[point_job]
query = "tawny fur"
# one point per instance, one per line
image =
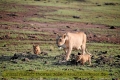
(36, 49)
(70, 41)
(83, 58)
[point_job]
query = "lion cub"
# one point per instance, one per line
(83, 58)
(36, 49)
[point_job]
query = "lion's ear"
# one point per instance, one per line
(65, 35)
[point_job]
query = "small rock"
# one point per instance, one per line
(98, 5)
(68, 26)
(4, 45)
(44, 53)
(45, 62)
(26, 59)
(30, 70)
(112, 27)
(0, 16)
(12, 14)
(110, 3)
(104, 52)
(95, 35)
(15, 57)
(118, 56)
(77, 17)
(115, 79)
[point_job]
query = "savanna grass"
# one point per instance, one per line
(87, 11)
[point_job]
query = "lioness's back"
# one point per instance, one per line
(78, 37)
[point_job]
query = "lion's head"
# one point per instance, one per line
(61, 40)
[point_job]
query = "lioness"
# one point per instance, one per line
(36, 49)
(69, 41)
(84, 58)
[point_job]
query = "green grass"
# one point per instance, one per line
(99, 31)
(9, 23)
(113, 49)
(40, 19)
(88, 11)
(38, 63)
(60, 11)
(6, 7)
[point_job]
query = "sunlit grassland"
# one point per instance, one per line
(88, 11)
(26, 46)
(38, 64)
(6, 7)
(64, 11)
(10, 23)
(105, 32)
(113, 49)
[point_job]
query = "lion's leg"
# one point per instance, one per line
(68, 54)
(84, 44)
(83, 49)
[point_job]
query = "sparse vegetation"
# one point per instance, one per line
(27, 22)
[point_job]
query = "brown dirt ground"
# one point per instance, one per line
(53, 27)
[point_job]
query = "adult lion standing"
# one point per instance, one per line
(69, 41)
